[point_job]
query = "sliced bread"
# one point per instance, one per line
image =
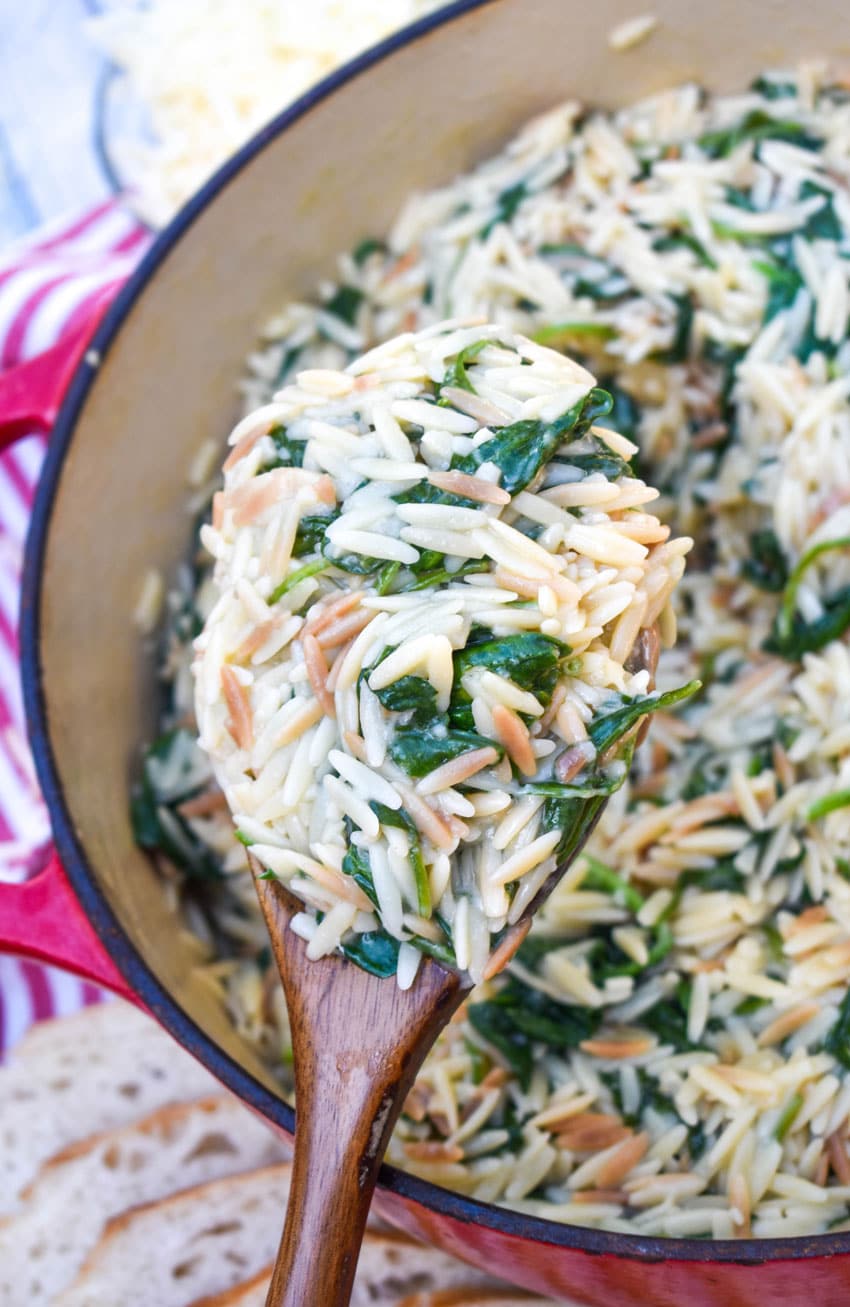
(99, 1069)
(391, 1268)
(44, 1244)
(198, 1242)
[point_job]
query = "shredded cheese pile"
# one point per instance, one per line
(210, 73)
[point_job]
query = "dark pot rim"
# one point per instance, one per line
(155, 997)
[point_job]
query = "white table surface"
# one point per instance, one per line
(48, 78)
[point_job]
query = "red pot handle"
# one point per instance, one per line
(42, 917)
(31, 394)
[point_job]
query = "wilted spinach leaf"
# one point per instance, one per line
(521, 449)
(419, 752)
(310, 536)
(791, 635)
(507, 204)
(374, 951)
(403, 821)
(344, 303)
(824, 224)
(783, 283)
(367, 247)
(837, 1041)
(611, 724)
(520, 1018)
(356, 865)
(600, 459)
(757, 125)
(410, 694)
(456, 374)
(157, 823)
(801, 637)
(679, 347)
(773, 89)
(294, 578)
(529, 659)
(766, 566)
(288, 452)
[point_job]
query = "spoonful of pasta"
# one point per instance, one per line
(440, 587)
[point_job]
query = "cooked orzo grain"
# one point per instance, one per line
(669, 1052)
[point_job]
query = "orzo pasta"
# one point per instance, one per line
(415, 683)
(669, 1051)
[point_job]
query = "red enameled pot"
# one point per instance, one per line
(157, 377)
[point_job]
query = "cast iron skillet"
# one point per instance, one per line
(156, 378)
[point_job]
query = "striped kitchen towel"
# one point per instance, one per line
(49, 284)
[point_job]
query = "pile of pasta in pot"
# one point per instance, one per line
(668, 1053)
(415, 683)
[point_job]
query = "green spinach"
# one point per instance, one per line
(600, 458)
(386, 578)
(374, 951)
(766, 566)
(442, 576)
(560, 335)
(837, 1041)
(773, 89)
(829, 803)
(356, 564)
(420, 751)
(520, 1019)
(411, 694)
(154, 807)
(791, 635)
(574, 816)
(787, 1116)
(587, 275)
(366, 249)
(294, 578)
(403, 821)
(611, 724)
(784, 284)
(356, 864)
(521, 449)
(685, 240)
(758, 125)
(605, 879)
(456, 374)
(345, 303)
(529, 659)
(288, 452)
(507, 204)
(310, 536)
(824, 224)
(668, 1019)
(679, 347)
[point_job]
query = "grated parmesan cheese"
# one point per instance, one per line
(209, 73)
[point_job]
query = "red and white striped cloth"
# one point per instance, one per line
(48, 286)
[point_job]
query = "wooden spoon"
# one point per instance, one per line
(358, 1042)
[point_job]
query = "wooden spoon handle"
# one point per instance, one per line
(358, 1043)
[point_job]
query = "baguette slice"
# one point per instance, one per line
(98, 1069)
(200, 1241)
(207, 1240)
(43, 1246)
(392, 1267)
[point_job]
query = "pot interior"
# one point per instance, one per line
(113, 504)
